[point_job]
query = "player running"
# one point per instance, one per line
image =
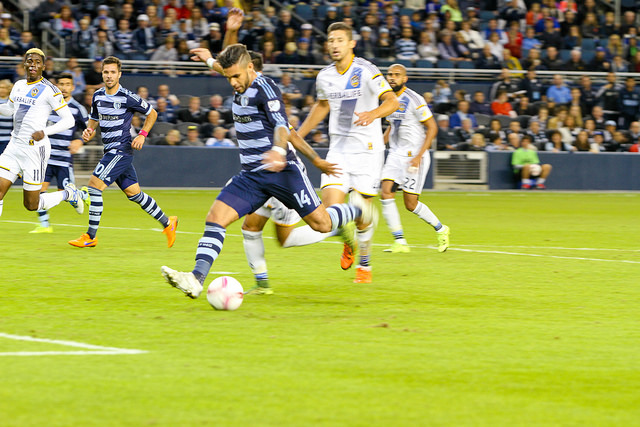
(269, 169)
(30, 103)
(350, 90)
(408, 160)
(112, 108)
(63, 145)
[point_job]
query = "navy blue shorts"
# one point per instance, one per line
(62, 174)
(116, 167)
(248, 191)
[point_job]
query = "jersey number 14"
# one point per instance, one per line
(302, 198)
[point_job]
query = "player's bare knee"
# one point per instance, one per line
(411, 204)
(31, 206)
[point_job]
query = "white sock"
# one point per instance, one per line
(49, 200)
(254, 250)
(426, 215)
(540, 181)
(305, 235)
(1, 203)
(392, 218)
(364, 244)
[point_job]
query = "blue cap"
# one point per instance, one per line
(303, 40)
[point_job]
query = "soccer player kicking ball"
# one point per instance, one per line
(269, 169)
(112, 108)
(63, 145)
(350, 91)
(30, 103)
(408, 160)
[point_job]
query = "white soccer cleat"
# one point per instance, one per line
(185, 281)
(369, 211)
(76, 199)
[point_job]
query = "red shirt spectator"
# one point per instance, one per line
(501, 106)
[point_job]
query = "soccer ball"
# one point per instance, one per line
(225, 293)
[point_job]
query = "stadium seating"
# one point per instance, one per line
(424, 63)
(588, 44)
(304, 11)
(406, 62)
(524, 120)
(466, 65)
(162, 128)
(565, 54)
(184, 126)
(445, 63)
(482, 119)
(504, 120)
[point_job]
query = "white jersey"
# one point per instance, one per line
(407, 132)
(32, 104)
(356, 90)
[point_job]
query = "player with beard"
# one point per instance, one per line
(408, 160)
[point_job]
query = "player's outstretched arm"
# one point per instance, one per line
(318, 112)
(204, 55)
(235, 17)
(308, 151)
(149, 121)
(90, 131)
(389, 104)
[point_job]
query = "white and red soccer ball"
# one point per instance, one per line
(225, 293)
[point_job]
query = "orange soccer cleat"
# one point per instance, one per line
(347, 257)
(84, 241)
(363, 275)
(170, 230)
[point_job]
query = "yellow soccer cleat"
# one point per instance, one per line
(40, 229)
(84, 241)
(170, 230)
(443, 238)
(398, 248)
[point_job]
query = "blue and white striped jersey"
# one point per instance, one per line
(6, 125)
(257, 113)
(114, 112)
(60, 142)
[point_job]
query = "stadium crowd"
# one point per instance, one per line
(516, 36)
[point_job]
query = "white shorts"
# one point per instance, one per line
(27, 161)
(396, 169)
(278, 212)
(360, 171)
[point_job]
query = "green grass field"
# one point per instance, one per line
(531, 318)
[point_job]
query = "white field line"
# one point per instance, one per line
(460, 248)
(94, 349)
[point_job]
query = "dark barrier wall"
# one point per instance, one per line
(161, 166)
(574, 171)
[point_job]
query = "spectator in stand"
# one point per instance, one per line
(290, 92)
(7, 23)
(497, 144)
(527, 167)
(73, 68)
(487, 60)
(553, 62)
(598, 118)
(551, 35)
(629, 103)
(495, 130)
(103, 14)
(82, 39)
(506, 84)
(268, 52)
(216, 103)
(442, 93)
(464, 133)
(143, 93)
(575, 62)
(93, 77)
(515, 40)
(289, 36)
(449, 49)
(214, 38)
(474, 40)
(523, 107)
(492, 27)
(533, 61)
(102, 47)
(501, 106)
(559, 92)
(461, 114)
(608, 96)
(219, 139)
(619, 65)
(427, 49)
(546, 16)
(556, 145)
(512, 12)
(609, 26)
(496, 46)
(46, 12)
(570, 20)
(509, 61)
(569, 130)
(143, 39)
(26, 41)
(406, 47)
(529, 40)
(573, 40)
(479, 105)
(588, 93)
(331, 17)
(166, 52)
(533, 15)
(542, 117)
(582, 142)
(124, 39)
(193, 113)
(172, 138)
(165, 114)
(634, 130)
(365, 47)
(193, 137)
(289, 56)
(453, 8)
(384, 46)
(65, 24)
(557, 121)
(590, 28)
(7, 45)
(213, 121)
(609, 130)
(447, 138)
(513, 140)
(514, 127)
